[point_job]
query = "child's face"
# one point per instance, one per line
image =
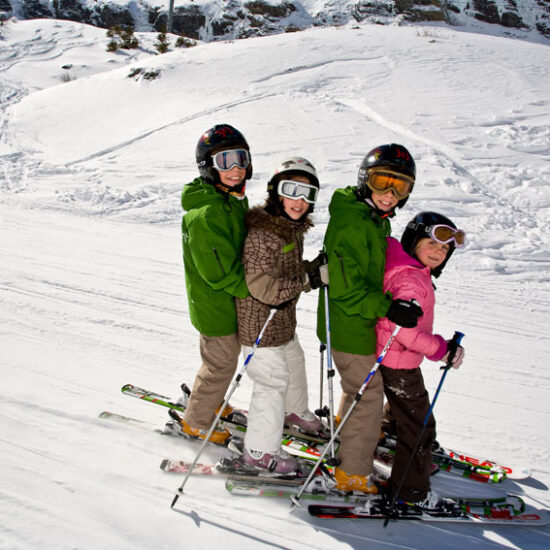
(296, 208)
(232, 177)
(385, 202)
(431, 253)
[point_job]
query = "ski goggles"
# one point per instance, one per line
(225, 160)
(297, 190)
(381, 181)
(444, 234)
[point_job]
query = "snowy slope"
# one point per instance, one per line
(92, 290)
(525, 19)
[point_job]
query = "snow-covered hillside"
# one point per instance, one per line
(231, 19)
(92, 288)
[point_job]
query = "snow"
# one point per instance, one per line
(92, 288)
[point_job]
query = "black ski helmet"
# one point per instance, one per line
(286, 169)
(218, 138)
(393, 156)
(418, 228)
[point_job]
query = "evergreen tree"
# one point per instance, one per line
(163, 42)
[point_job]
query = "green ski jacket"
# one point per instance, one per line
(213, 233)
(355, 243)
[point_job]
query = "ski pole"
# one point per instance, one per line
(330, 374)
(295, 498)
(323, 410)
(457, 337)
(234, 386)
(322, 348)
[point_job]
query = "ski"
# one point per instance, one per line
(509, 510)
(478, 469)
(231, 468)
(291, 444)
(129, 421)
(382, 460)
(236, 428)
(248, 481)
(317, 490)
(171, 428)
(475, 473)
(236, 423)
(478, 465)
(320, 489)
(182, 467)
(242, 479)
(452, 461)
(506, 510)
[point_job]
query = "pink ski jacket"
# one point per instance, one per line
(407, 278)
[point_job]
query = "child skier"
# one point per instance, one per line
(426, 245)
(276, 275)
(213, 234)
(355, 242)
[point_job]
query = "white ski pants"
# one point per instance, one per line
(280, 386)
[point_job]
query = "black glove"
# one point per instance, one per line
(316, 272)
(404, 313)
(454, 355)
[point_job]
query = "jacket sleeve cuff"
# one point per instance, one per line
(441, 351)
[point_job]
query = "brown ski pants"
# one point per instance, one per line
(220, 355)
(359, 435)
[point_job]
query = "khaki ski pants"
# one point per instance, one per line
(361, 432)
(220, 356)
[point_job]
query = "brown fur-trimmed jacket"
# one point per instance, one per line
(272, 259)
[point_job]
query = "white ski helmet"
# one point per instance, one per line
(288, 168)
(296, 165)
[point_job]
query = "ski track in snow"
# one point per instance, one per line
(201, 114)
(92, 293)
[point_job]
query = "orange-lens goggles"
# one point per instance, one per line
(444, 234)
(382, 181)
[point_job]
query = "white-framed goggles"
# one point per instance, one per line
(295, 190)
(381, 180)
(225, 160)
(444, 234)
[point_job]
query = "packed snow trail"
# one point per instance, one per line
(92, 290)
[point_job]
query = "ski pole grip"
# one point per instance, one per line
(453, 344)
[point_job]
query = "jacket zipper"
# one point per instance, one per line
(218, 260)
(342, 268)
